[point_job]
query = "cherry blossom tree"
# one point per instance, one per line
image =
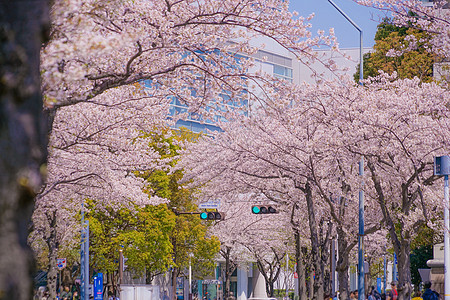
(248, 238)
(94, 151)
(57, 230)
(96, 147)
(172, 44)
(398, 126)
(309, 147)
(398, 137)
(254, 159)
(183, 49)
(231, 233)
(269, 264)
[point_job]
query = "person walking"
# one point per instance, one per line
(417, 296)
(429, 294)
(393, 294)
(373, 294)
(66, 294)
(231, 296)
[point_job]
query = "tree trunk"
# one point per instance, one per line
(310, 272)
(315, 250)
(404, 272)
(343, 281)
(342, 264)
(227, 285)
(52, 275)
(400, 240)
(52, 244)
(301, 277)
(230, 266)
(270, 295)
(109, 285)
(22, 138)
(311, 283)
(174, 283)
(227, 273)
(113, 286)
(325, 253)
(270, 276)
(149, 276)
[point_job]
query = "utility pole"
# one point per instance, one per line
(361, 293)
(442, 167)
(84, 257)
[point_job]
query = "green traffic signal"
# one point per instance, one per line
(212, 215)
(260, 209)
(256, 210)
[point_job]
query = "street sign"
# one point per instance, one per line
(211, 281)
(215, 204)
(61, 263)
(98, 286)
(442, 165)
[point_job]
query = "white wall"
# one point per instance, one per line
(347, 61)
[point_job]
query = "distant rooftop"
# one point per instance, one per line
(430, 3)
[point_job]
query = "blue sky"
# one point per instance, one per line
(326, 16)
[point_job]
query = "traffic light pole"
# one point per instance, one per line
(216, 215)
(187, 213)
(446, 242)
(84, 259)
(361, 292)
(442, 168)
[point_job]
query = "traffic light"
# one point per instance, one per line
(212, 215)
(263, 209)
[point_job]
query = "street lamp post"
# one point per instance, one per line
(84, 259)
(384, 274)
(361, 293)
(442, 167)
(190, 276)
(360, 40)
(361, 273)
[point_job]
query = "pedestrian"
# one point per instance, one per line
(393, 294)
(370, 294)
(376, 294)
(417, 296)
(165, 296)
(373, 294)
(46, 295)
(429, 294)
(75, 296)
(66, 294)
(231, 296)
